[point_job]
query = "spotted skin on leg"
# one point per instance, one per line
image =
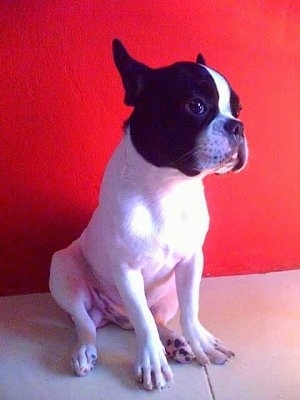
(177, 348)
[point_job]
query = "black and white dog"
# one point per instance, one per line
(140, 255)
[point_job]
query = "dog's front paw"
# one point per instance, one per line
(84, 359)
(208, 348)
(151, 366)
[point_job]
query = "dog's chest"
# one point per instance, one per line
(171, 225)
(148, 216)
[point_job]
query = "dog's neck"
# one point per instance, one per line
(134, 181)
(149, 175)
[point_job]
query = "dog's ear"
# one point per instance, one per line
(200, 59)
(133, 73)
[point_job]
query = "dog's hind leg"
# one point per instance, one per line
(69, 287)
(176, 346)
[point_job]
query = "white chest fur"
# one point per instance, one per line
(147, 213)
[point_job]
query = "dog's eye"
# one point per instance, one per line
(196, 106)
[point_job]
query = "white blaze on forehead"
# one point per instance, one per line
(223, 90)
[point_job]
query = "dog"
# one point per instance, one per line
(140, 256)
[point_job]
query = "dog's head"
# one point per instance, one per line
(186, 115)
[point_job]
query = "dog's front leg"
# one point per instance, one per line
(205, 346)
(151, 366)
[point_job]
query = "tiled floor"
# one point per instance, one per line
(257, 315)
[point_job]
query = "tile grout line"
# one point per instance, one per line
(209, 384)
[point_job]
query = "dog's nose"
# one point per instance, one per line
(234, 127)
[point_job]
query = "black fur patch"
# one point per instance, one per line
(162, 128)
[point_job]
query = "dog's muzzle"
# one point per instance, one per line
(235, 128)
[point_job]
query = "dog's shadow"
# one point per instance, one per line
(36, 331)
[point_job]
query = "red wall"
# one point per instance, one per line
(61, 115)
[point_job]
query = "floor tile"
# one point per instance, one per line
(259, 317)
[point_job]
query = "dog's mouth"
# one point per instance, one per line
(230, 164)
(236, 161)
(199, 160)
(242, 156)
